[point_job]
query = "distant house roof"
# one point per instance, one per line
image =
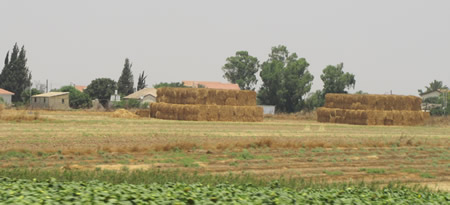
(438, 91)
(50, 94)
(5, 92)
(209, 84)
(142, 93)
(80, 87)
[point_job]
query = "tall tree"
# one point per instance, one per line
(286, 80)
(125, 83)
(335, 80)
(241, 69)
(15, 75)
(101, 89)
(435, 85)
(141, 81)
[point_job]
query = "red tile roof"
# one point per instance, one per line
(215, 85)
(80, 87)
(5, 92)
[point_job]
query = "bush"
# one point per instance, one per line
(127, 104)
(77, 99)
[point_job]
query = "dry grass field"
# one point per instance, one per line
(287, 145)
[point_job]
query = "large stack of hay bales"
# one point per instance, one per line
(372, 110)
(202, 104)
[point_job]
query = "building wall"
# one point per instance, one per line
(268, 109)
(148, 99)
(51, 103)
(60, 102)
(6, 98)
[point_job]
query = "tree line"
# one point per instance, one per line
(286, 81)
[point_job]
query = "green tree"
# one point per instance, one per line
(314, 100)
(335, 80)
(26, 94)
(101, 89)
(173, 85)
(286, 80)
(77, 99)
(241, 69)
(434, 86)
(15, 75)
(125, 83)
(141, 81)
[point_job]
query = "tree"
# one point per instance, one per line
(314, 100)
(434, 86)
(286, 80)
(172, 85)
(77, 99)
(101, 89)
(141, 81)
(125, 83)
(241, 69)
(15, 75)
(26, 95)
(335, 80)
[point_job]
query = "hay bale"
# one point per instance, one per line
(143, 113)
(206, 96)
(122, 113)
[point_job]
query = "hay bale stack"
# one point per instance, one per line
(206, 96)
(202, 104)
(372, 110)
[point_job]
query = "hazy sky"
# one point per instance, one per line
(389, 45)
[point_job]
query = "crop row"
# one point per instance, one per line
(22, 191)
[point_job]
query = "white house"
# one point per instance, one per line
(6, 95)
(146, 95)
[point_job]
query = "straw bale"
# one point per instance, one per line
(205, 96)
(206, 112)
(143, 113)
(372, 102)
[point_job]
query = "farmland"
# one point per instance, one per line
(293, 149)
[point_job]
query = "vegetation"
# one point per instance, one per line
(241, 69)
(126, 82)
(434, 86)
(286, 80)
(77, 99)
(52, 191)
(15, 75)
(101, 89)
(141, 81)
(172, 84)
(26, 95)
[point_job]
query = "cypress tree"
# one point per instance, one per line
(15, 75)
(141, 81)
(125, 83)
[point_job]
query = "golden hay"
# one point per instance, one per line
(371, 117)
(143, 112)
(372, 102)
(206, 112)
(206, 96)
(122, 113)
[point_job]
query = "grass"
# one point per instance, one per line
(90, 139)
(373, 170)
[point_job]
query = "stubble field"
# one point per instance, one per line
(289, 148)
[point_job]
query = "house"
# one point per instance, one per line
(209, 84)
(146, 95)
(6, 95)
(51, 101)
(80, 87)
(432, 94)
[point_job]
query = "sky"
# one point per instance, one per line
(399, 46)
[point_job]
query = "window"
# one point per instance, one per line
(34, 99)
(62, 100)
(44, 100)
